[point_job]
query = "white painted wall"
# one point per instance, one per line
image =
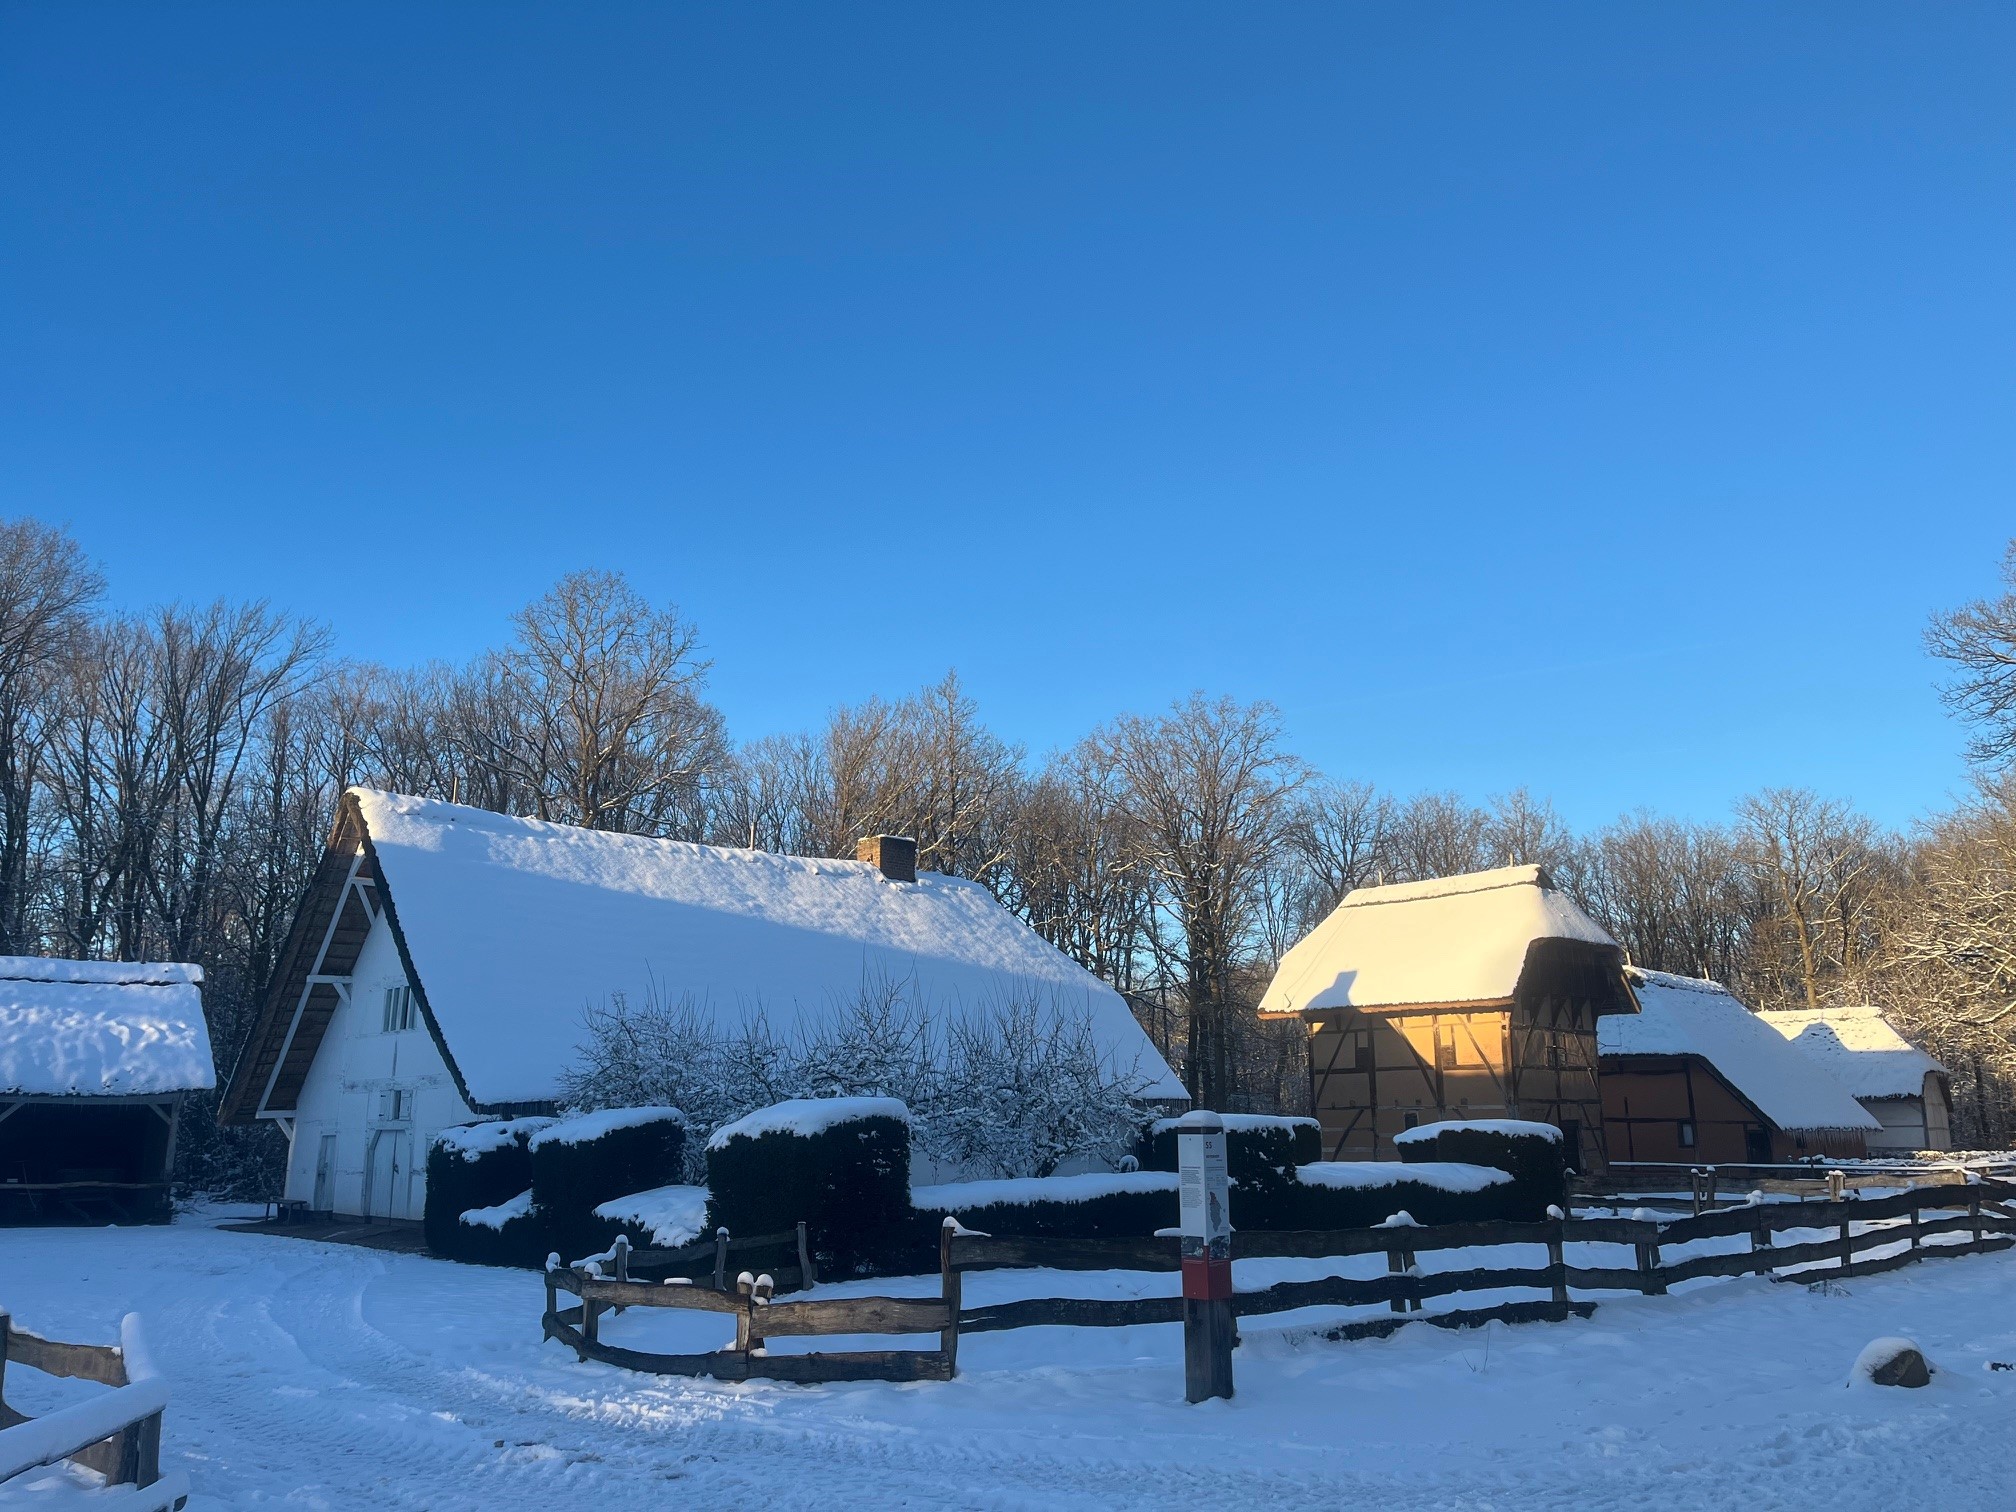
(343, 1095)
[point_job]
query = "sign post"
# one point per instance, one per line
(1207, 1256)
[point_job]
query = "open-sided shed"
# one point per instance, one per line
(1468, 997)
(95, 1060)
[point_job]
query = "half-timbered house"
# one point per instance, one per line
(439, 969)
(1697, 1077)
(1468, 997)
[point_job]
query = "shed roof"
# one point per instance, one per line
(1689, 1016)
(513, 927)
(1456, 940)
(1858, 1047)
(101, 1028)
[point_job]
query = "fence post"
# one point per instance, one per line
(621, 1256)
(721, 1259)
(6, 1324)
(745, 1285)
(1974, 1213)
(1694, 1190)
(591, 1322)
(1760, 1240)
(950, 1289)
(147, 1467)
(1847, 1245)
(1917, 1201)
(1206, 1220)
(552, 1305)
(1557, 1263)
(1649, 1280)
(807, 1277)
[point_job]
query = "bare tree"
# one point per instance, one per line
(1812, 859)
(1978, 642)
(1206, 788)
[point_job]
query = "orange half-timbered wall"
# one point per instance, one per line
(1373, 1075)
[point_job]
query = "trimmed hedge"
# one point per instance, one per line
(1098, 1206)
(579, 1163)
(841, 1166)
(1536, 1161)
(522, 1241)
(473, 1166)
(1373, 1191)
(1261, 1156)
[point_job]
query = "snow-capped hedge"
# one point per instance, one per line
(1533, 1154)
(581, 1162)
(504, 1233)
(474, 1167)
(1101, 1205)
(1350, 1194)
(1261, 1154)
(667, 1217)
(840, 1165)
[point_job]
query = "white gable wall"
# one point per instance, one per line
(344, 1095)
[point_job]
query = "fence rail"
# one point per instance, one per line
(1859, 1225)
(117, 1434)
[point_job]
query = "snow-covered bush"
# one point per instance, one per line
(1014, 1087)
(475, 1166)
(1532, 1154)
(1354, 1194)
(840, 1165)
(579, 1163)
(1098, 1205)
(1261, 1154)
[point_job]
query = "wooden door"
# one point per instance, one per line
(325, 1175)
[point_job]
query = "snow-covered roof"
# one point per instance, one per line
(1688, 1016)
(1858, 1047)
(102, 1028)
(1456, 940)
(515, 926)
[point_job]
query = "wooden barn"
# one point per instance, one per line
(440, 968)
(96, 1058)
(1899, 1085)
(1696, 1077)
(1469, 997)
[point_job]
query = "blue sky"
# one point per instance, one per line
(1595, 398)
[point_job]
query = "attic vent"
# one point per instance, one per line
(895, 856)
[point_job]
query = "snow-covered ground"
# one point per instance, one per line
(322, 1376)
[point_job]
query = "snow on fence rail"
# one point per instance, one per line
(1855, 1226)
(117, 1434)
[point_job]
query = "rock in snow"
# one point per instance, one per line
(1891, 1362)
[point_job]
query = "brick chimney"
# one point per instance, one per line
(895, 856)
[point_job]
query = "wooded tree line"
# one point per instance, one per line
(167, 779)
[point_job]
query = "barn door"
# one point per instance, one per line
(325, 1175)
(384, 1166)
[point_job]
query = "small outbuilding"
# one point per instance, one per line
(1901, 1087)
(1467, 997)
(96, 1058)
(1696, 1077)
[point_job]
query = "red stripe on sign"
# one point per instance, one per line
(1207, 1280)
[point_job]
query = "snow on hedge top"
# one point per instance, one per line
(674, 1216)
(1687, 1016)
(1858, 1048)
(1240, 1123)
(583, 1127)
(971, 1196)
(1454, 940)
(107, 1028)
(1368, 1175)
(1519, 1127)
(514, 926)
(808, 1115)
(474, 1141)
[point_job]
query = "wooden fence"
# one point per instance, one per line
(1857, 1225)
(117, 1434)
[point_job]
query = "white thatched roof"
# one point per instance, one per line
(1457, 940)
(515, 926)
(102, 1028)
(1688, 1016)
(1857, 1047)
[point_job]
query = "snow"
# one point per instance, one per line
(808, 1115)
(1520, 1127)
(1457, 940)
(970, 1196)
(103, 1028)
(674, 1216)
(584, 1128)
(312, 1376)
(514, 926)
(1239, 1123)
(1364, 1175)
(473, 1141)
(1858, 1048)
(496, 1217)
(1688, 1016)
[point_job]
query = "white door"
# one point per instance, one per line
(385, 1174)
(325, 1175)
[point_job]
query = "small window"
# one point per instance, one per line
(1410, 1119)
(1686, 1135)
(398, 1009)
(1361, 1050)
(1553, 1055)
(395, 1105)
